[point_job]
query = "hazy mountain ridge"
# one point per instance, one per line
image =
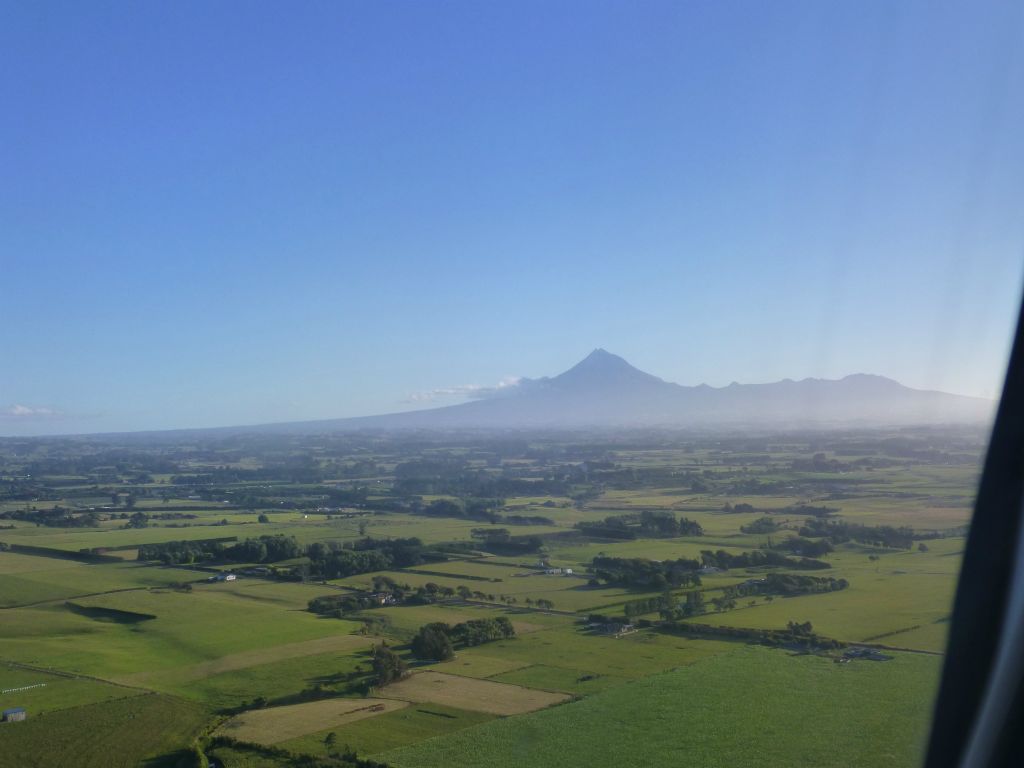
(603, 390)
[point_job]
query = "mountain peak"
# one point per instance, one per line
(601, 366)
(601, 356)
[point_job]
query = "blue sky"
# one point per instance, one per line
(227, 213)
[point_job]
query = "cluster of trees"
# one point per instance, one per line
(810, 510)
(470, 508)
(647, 524)
(332, 561)
(795, 634)
(840, 531)
(525, 519)
(798, 545)
(265, 549)
(57, 517)
(185, 552)
(635, 608)
(641, 573)
(502, 542)
(741, 508)
(758, 558)
(326, 561)
(786, 585)
(338, 605)
(387, 666)
(764, 524)
(437, 641)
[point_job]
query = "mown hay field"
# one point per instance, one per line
(471, 693)
(276, 724)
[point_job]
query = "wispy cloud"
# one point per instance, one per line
(22, 412)
(465, 391)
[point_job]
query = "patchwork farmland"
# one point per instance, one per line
(359, 599)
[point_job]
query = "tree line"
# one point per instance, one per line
(642, 573)
(646, 524)
(841, 531)
(758, 558)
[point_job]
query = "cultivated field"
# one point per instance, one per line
(270, 726)
(472, 693)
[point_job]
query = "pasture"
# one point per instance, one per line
(408, 725)
(114, 645)
(752, 706)
(121, 733)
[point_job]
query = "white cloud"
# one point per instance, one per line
(26, 412)
(465, 391)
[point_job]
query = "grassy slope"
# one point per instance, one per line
(755, 707)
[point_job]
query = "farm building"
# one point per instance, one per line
(14, 714)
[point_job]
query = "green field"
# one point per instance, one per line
(714, 714)
(98, 650)
(125, 733)
(392, 729)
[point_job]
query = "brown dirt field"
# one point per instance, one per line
(276, 724)
(472, 693)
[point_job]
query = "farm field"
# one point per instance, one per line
(42, 691)
(123, 733)
(427, 687)
(268, 615)
(373, 735)
(276, 724)
(866, 715)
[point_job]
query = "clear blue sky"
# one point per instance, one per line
(219, 213)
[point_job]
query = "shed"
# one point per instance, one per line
(14, 714)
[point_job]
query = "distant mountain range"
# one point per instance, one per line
(603, 390)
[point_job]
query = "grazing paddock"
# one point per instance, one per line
(122, 733)
(391, 730)
(40, 691)
(479, 665)
(276, 724)
(472, 693)
(750, 707)
(246, 659)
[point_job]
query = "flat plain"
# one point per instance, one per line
(248, 588)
